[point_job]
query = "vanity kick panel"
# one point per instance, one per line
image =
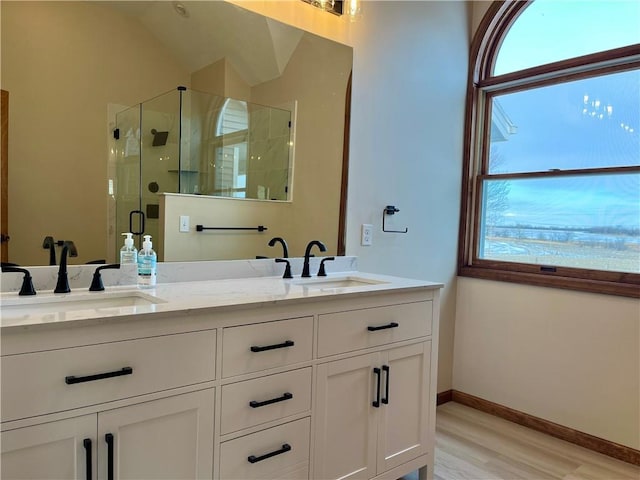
(35, 383)
(276, 344)
(371, 327)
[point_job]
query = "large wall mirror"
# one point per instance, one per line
(71, 67)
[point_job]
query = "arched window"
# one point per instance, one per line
(551, 187)
(231, 154)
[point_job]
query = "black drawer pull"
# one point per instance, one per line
(288, 343)
(385, 400)
(285, 448)
(108, 438)
(87, 450)
(285, 396)
(384, 327)
(376, 402)
(70, 380)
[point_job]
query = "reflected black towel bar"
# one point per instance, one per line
(260, 228)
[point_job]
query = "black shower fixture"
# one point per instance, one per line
(159, 138)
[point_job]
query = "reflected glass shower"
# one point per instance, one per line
(190, 142)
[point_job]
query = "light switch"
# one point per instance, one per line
(184, 223)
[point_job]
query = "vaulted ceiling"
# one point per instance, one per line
(258, 48)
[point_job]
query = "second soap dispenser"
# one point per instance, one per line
(147, 261)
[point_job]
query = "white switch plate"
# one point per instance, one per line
(366, 238)
(184, 223)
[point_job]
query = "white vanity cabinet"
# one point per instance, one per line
(169, 438)
(373, 410)
(321, 387)
(141, 424)
(63, 449)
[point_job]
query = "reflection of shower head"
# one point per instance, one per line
(159, 138)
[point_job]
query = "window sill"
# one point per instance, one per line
(552, 281)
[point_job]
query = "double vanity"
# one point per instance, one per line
(257, 377)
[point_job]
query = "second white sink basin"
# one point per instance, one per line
(21, 306)
(338, 282)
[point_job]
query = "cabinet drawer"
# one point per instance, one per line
(251, 348)
(261, 400)
(280, 452)
(371, 327)
(56, 380)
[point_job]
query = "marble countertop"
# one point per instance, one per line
(51, 309)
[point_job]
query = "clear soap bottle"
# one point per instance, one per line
(128, 253)
(147, 261)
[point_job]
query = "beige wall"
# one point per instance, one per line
(568, 357)
(220, 78)
(221, 212)
(52, 58)
(211, 79)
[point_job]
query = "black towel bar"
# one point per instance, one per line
(259, 228)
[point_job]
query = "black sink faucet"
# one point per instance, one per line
(285, 250)
(96, 283)
(63, 280)
(307, 254)
(27, 283)
(50, 244)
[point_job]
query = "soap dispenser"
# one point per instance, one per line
(128, 253)
(147, 261)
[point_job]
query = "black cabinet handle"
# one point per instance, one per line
(288, 343)
(109, 439)
(285, 396)
(87, 450)
(70, 380)
(383, 327)
(285, 448)
(376, 402)
(385, 400)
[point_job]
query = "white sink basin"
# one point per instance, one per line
(17, 307)
(338, 282)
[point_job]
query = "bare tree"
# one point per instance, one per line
(496, 195)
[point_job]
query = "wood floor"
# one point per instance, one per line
(472, 445)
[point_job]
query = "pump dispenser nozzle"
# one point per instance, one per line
(147, 245)
(128, 242)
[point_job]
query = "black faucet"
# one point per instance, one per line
(322, 272)
(287, 268)
(307, 254)
(96, 283)
(51, 245)
(285, 250)
(63, 280)
(27, 283)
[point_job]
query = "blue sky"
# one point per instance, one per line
(569, 125)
